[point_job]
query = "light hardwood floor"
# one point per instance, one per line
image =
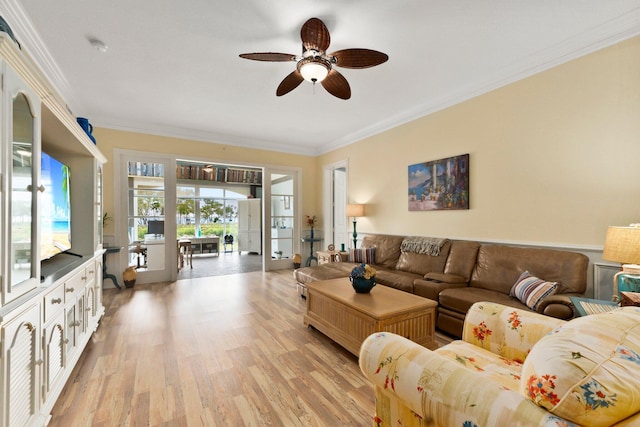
(219, 351)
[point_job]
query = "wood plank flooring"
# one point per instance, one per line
(219, 351)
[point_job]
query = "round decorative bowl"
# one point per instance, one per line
(362, 285)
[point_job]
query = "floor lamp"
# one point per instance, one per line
(622, 245)
(355, 210)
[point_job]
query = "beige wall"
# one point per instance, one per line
(108, 140)
(552, 158)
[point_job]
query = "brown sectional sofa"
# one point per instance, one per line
(463, 273)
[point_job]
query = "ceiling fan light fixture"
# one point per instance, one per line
(314, 69)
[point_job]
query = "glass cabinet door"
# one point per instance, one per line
(100, 218)
(22, 178)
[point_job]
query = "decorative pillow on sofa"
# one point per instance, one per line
(587, 371)
(363, 255)
(530, 290)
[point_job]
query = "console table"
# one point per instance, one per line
(311, 256)
(105, 275)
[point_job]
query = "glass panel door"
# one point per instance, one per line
(282, 205)
(24, 162)
(146, 216)
(22, 179)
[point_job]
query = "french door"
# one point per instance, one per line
(281, 234)
(145, 218)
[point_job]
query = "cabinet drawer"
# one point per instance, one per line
(91, 272)
(75, 285)
(53, 302)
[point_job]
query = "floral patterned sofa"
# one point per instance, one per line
(512, 367)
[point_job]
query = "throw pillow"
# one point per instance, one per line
(363, 255)
(587, 371)
(530, 290)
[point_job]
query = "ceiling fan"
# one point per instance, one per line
(315, 65)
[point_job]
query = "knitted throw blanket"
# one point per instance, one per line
(423, 245)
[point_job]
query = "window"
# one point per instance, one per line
(206, 211)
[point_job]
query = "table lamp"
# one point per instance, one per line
(622, 245)
(355, 210)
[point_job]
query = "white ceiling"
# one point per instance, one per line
(172, 67)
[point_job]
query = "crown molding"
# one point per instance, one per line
(35, 47)
(605, 35)
(208, 137)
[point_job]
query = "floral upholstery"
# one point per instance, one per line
(479, 381)
(588, 371)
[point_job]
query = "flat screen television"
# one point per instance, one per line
(55, 210)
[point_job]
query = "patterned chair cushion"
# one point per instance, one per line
(499, 369)
(506, 331)
(587, 370)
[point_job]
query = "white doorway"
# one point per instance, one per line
(335, 202)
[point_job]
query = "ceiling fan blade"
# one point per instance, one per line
(269, 56)
(314, 35)
(337, 85)
(289, 83)
(359, 58)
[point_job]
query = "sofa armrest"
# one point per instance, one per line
(437, 389)
(506, 331)
(558, 306)
(431, 288)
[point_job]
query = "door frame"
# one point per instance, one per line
(328, 202)
(121, 158)
(269, 263)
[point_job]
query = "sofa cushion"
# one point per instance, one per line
(331, 270)
(461, 299)
(362, 255)
(387, 248)
(462, 258)
(396, 279)
(531, 290)
(423, 263)
(588, 369)
(499, 266)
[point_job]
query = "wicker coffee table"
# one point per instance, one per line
(336, 310)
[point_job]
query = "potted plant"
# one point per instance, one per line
(363, 278)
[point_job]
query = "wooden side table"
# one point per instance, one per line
(325, 257)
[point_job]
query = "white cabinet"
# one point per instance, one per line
(48, 309)
(21, 367)
(250, 225)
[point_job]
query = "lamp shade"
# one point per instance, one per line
(355, 210)
(622, 245)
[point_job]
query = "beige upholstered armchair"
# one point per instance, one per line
(511, 368)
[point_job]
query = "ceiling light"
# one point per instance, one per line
(314, 69)
(98, 45)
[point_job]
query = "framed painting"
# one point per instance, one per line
(440, 184)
